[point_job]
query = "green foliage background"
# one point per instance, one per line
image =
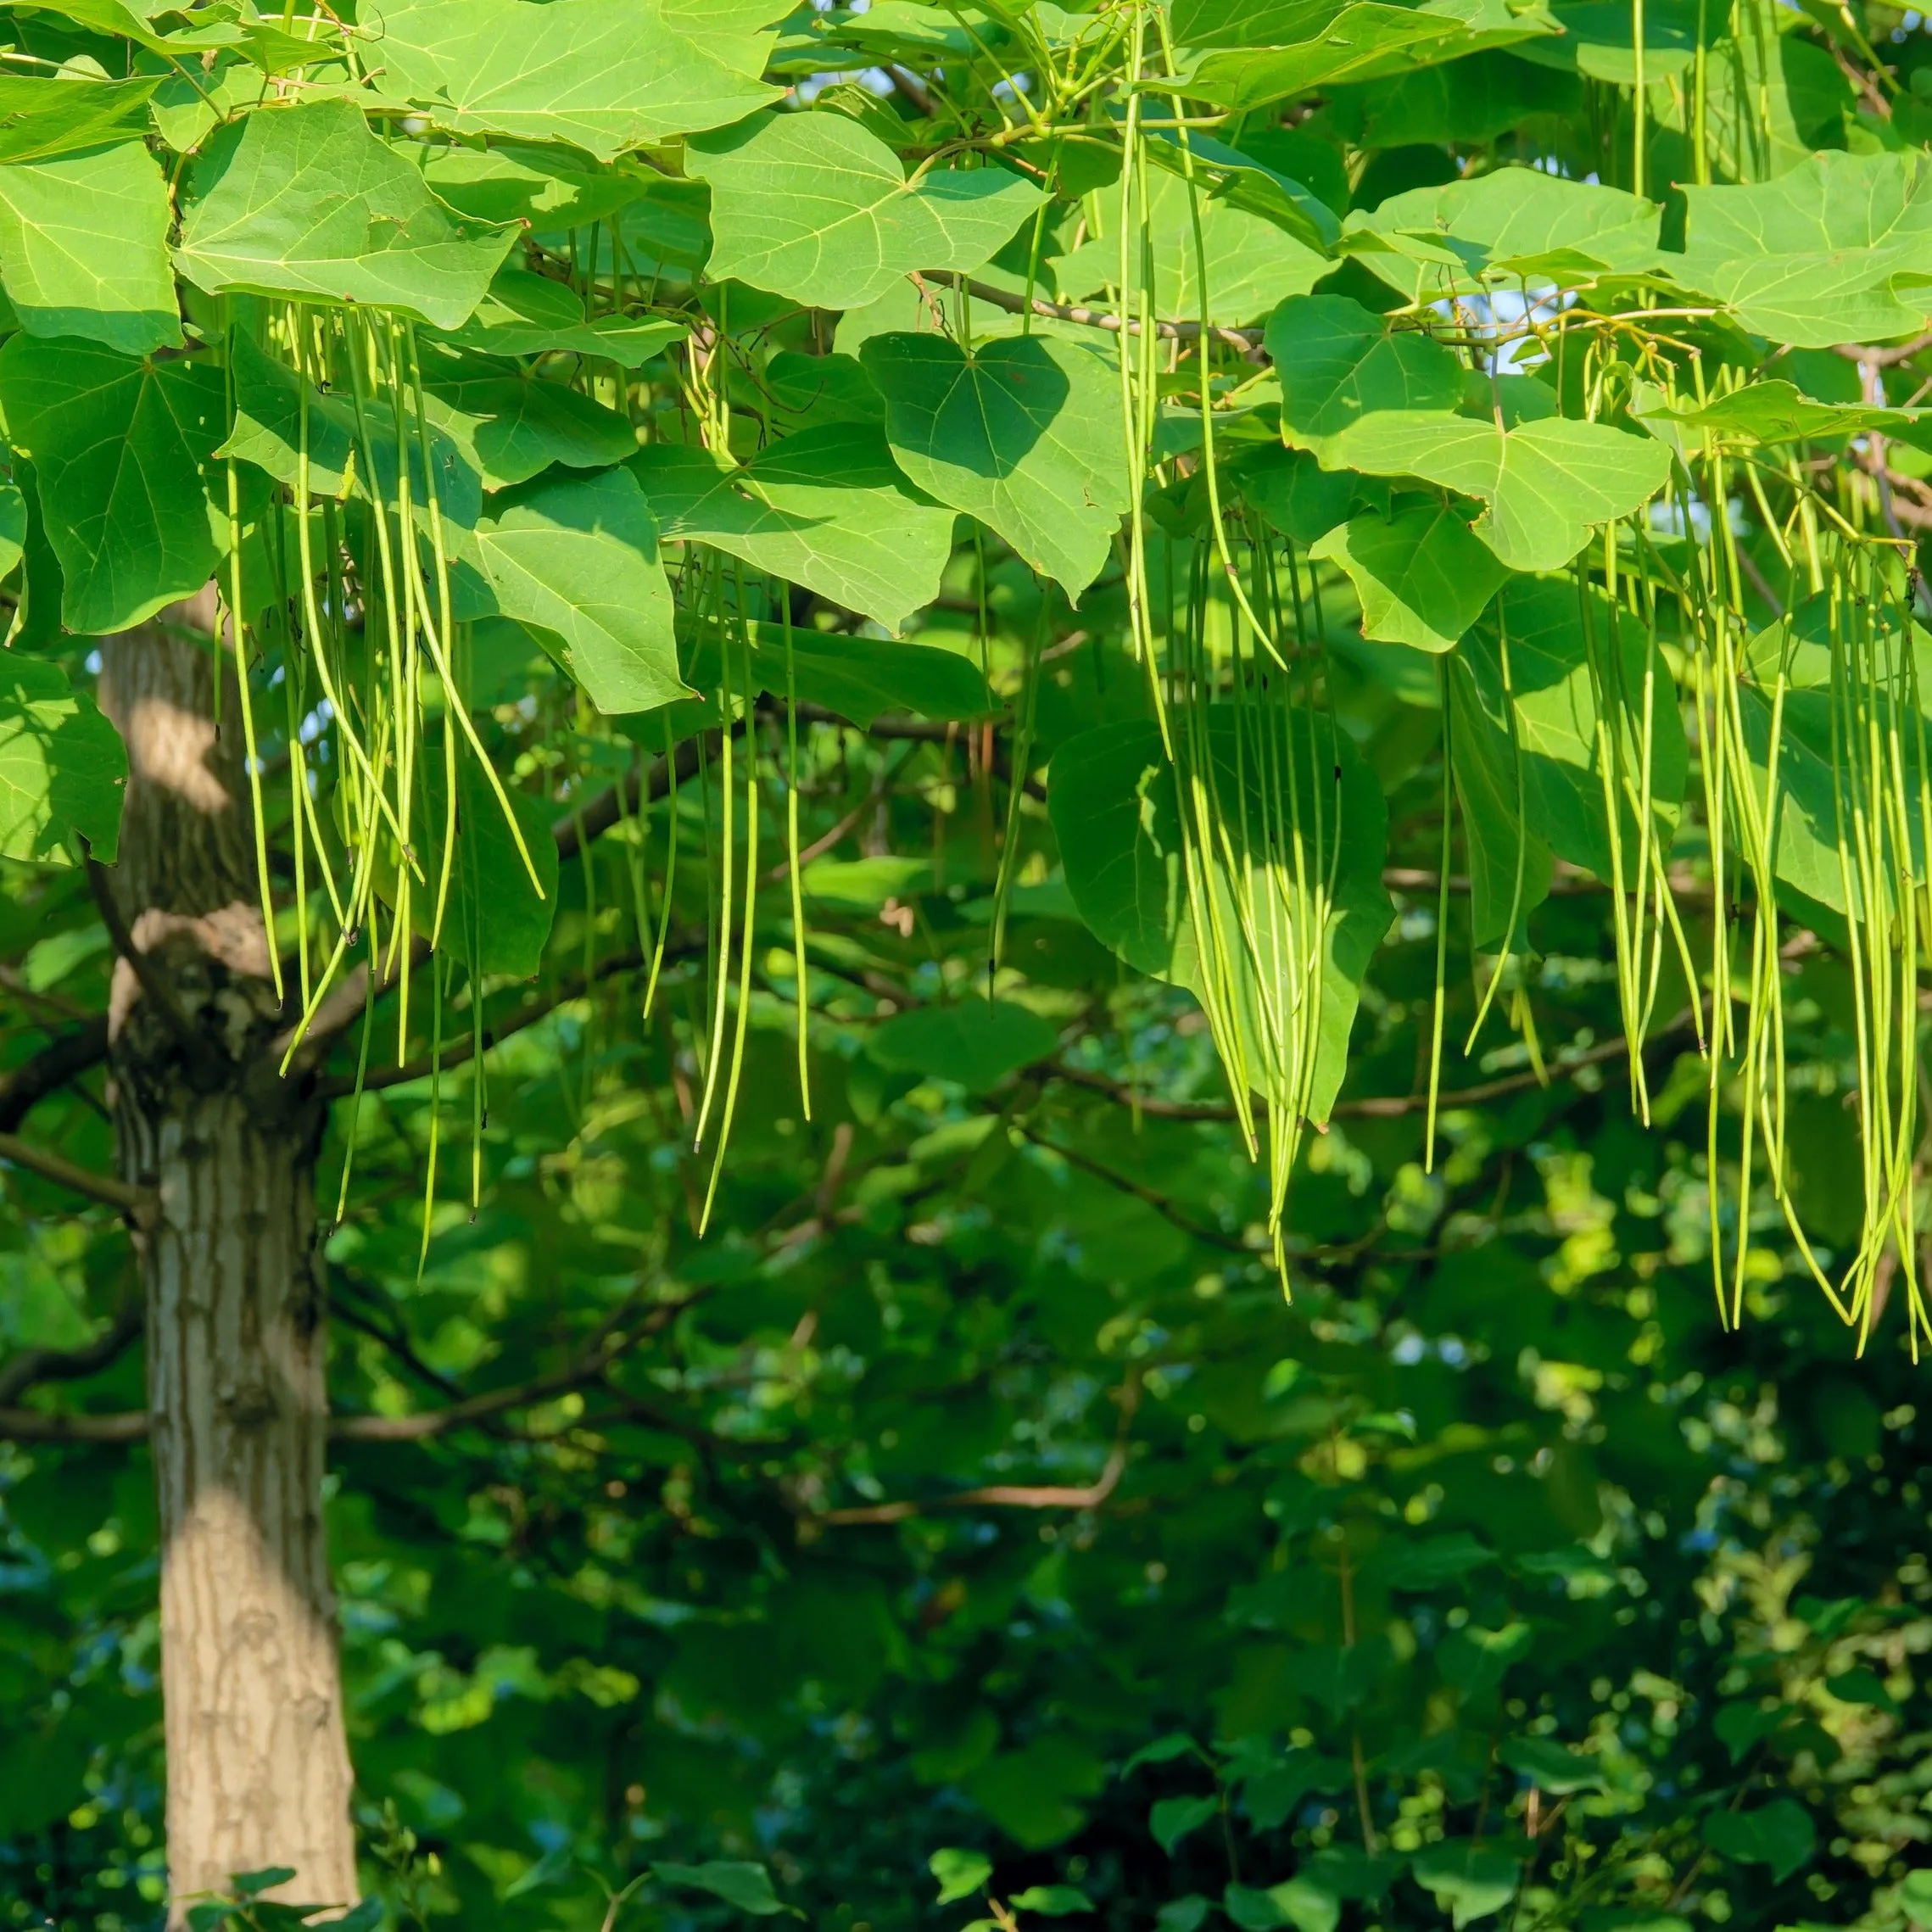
(967, 1502)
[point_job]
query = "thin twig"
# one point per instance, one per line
(1243, 339)
(140, 1205)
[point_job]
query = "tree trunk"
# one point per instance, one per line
(257, 1770)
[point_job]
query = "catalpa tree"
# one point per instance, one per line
(1285, 483)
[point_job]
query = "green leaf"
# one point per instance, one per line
(1767, 410)
(1739, 1726)
(119, 449)
(305, 201)
(746, 1886)
(1033, 1794)
(864, 678)
(1839, 249)
(246, 1884)
(1295, 1903)
(975, 1043)
(1779, 1834)
(827, 508)
(866, 883)
(1111, 797)
(1260, 54)
(1171, 1819)
(1468, 1881)
(1052, 1901)
(1022, 433)
(1545, 485)
(1185, 1914)
(268, 432)
(1551, 1767)
(1861, 1686)
(1475, 1659)
(1429, 1562)
(42, 116)
(84, 247)
(577, 559)
(1235, 177)
(63, 768)
(13, 527)
(813, 207)
(1915, 1895)
(1554, 631)
(1513, 222)
(1596, 41)
(1294, 492)
(1251, 264)
(1162, 1750)
(1272, 1795)
(604, 76)
(1465, 102)
(960, 1873)
(512, 428)
(557, 1863)
(511, 182)
(1340, 363)
(1421, 577)
(529, 315)
(495, 916)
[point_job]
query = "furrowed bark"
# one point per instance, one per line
(258, 1770)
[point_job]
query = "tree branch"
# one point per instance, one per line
(153, 983)
(42, 1426)
(1370, 1105)
(1162, 1206)
(1243, 339)
(592, 1363)
(63, 1059)
(1010, 1495)
(140, 1205)
(34, 1365)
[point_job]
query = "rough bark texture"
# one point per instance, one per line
(257, 1762)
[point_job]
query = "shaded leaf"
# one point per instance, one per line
(827, 508)
(738, 1882)
(63, 768)
(1025, 434)
(119, 449)
(975, 1043)
(1779, 1834)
